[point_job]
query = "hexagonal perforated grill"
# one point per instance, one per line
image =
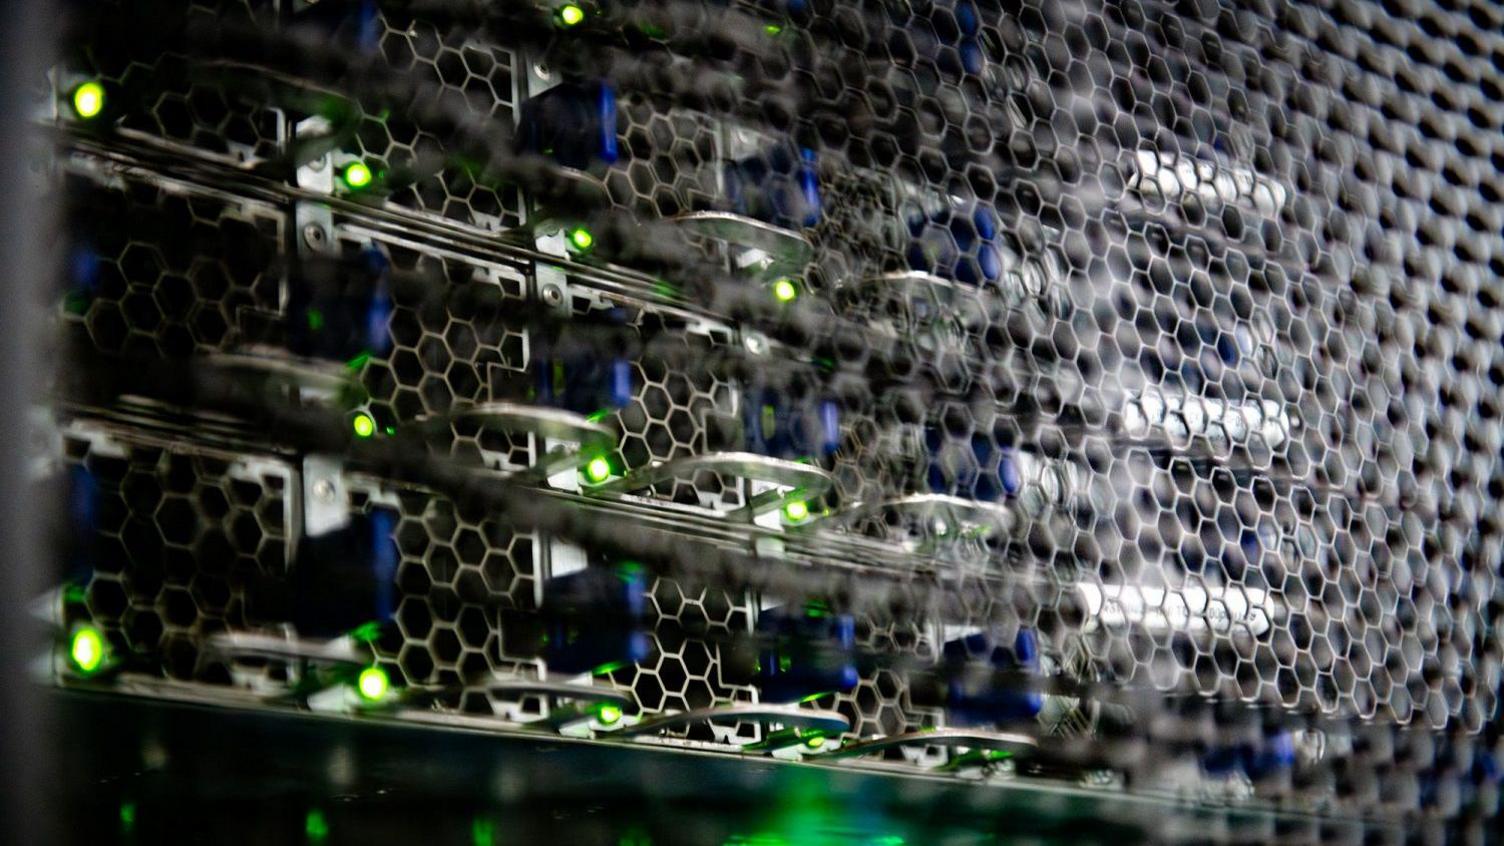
(458, 72)
(157, 88)
(167, 270)
(186, 543)
(456, 569)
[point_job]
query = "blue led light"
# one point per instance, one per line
(1008, 473)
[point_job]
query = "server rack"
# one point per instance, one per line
(1094, 402)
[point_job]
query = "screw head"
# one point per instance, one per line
(314, 236)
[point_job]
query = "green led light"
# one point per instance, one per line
(581, 239)
(363, 424)
(372, 684)
(597, 470)
(608, 667)
(127, 817)
(316, 827)
(88, 100)
(772, 29)
(357, 175)
(482, 832)
(608, 715)
(796, 511)
(571, 14)
(86, 649)
(785, 291)
(815, 742)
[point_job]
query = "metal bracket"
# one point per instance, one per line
(1010, 742)
(317, 174)
(794, 744)
(339, 652)
(795, 480)
(561, 559)
(313, 231)
(788, 716)
(325, 496)
(552, 283)
(758, 249)
(582, 720)
(906, 283)
(565, 559)
(947, 516)
(570, 433)
(299, 380)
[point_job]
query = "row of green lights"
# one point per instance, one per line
(87, 652)
(88, 102)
